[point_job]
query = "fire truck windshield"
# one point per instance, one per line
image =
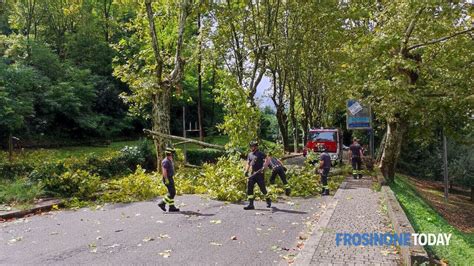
(323, 136)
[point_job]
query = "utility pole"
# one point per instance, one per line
(445, 160)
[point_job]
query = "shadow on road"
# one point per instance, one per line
(191, 213)
(275, 209)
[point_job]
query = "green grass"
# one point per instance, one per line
(79, 151)
(19, 191)
(67, 152)
(426, 220)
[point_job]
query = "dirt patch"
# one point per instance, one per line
(458, 211)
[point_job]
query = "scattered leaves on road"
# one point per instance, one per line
(165, 254)
(233, 238)
(14, 240)
(215, 244)
(216, 221)
(164, 236)
(55, 207)
(148, 239)
(159, 222)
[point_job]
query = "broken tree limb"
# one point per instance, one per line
(201, 143)
(181, 143)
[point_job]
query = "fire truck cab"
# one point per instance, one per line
(331, 137)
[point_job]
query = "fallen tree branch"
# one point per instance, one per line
(201, 143)
(181, 143)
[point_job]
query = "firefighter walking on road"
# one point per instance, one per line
(356, 158)
(324, 168)
(278, 169)
(167, 167)
(258, 161)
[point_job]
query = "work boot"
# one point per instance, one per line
(250, 206)
(173, 209)
(269, 203)
(287, 192)
(326, 192)
(162, 205)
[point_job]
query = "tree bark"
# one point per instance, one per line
(161, 121)
(391, 151)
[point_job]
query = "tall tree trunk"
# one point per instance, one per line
(283, 126)
(201, 132)
(161, 121)
(391, 151)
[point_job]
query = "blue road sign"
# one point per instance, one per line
(358, 116)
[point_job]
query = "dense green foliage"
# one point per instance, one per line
(426, 220)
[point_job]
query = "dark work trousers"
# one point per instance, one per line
(324, 178)
(356, 166)
(258, 179)
(169, 199)
(280, 172)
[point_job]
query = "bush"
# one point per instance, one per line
(134, 187)
(199, 157)
(15, 169)
(225, 180)
(78, 183)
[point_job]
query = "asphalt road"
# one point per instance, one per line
(205, 232)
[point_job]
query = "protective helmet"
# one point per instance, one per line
(169, 151)
(253, 143)
(321, 147)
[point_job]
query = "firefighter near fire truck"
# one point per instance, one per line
(324, 168)
(355, 151)
(257, 161)
(167, 167)
(280, 170)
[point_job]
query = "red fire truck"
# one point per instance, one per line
(331, 137)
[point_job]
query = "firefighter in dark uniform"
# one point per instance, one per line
(324, 167)
(356, 158)
(167, 167)
(258, 161)
(278, 169)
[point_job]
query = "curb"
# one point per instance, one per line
(305, 255)
(41, 207)
(413, 254)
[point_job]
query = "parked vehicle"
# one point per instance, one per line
(331, 137)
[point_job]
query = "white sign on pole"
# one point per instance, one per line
(355, 108)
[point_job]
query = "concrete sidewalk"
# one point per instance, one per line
(356, 208)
